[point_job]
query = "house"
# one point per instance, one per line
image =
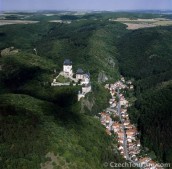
(103, 115)
(116, 127)
(123, 110)
(126, 123)
(138, 143)
(122, 79)
(131, 87)
(107, 86)
(131, 133)
(143, 161)
(121, 140)
(120, 148)
(108, 119)
(111, 101)
(124, 115)
(67, 67)
(120, 135)
(129, 82)
(108, 132)
(123, 101)
(129, 140)
(129, 126)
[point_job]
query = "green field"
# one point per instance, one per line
(138, 23)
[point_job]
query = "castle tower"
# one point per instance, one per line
(67, 67)
(79, 74)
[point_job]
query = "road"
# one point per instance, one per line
(123, 127)
(125, 136)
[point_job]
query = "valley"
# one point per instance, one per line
(45, 125)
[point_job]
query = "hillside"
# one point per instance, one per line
(147, 58)
(155, 110)
(90, 44)
(30, 128)
(43, 125)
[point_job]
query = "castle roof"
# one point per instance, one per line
(79, 71)
(88, 74)
(67, 62)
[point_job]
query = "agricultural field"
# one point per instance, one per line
(133, 24)
(9, 22)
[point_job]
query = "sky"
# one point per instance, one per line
(109, 5)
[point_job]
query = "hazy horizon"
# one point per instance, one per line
(78, 5)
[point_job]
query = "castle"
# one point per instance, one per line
(81, 78)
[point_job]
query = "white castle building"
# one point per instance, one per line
(67, 67)
(83, 77)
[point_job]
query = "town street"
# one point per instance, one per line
(127, 133)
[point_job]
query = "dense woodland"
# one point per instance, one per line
(36, 118)
(147, 58)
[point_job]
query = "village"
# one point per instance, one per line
(127, 134)
(115, 118)
(80, 78)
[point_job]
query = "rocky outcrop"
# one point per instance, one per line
(9, 51)
(111, 62)
(102, 77)
(87, 104)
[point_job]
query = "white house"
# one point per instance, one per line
(67, 67)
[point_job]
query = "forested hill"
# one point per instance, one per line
(146, 56)
(40, 124)
(44, 124)
(147, 52)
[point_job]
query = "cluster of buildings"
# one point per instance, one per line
(79, 77)
(116, 120)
